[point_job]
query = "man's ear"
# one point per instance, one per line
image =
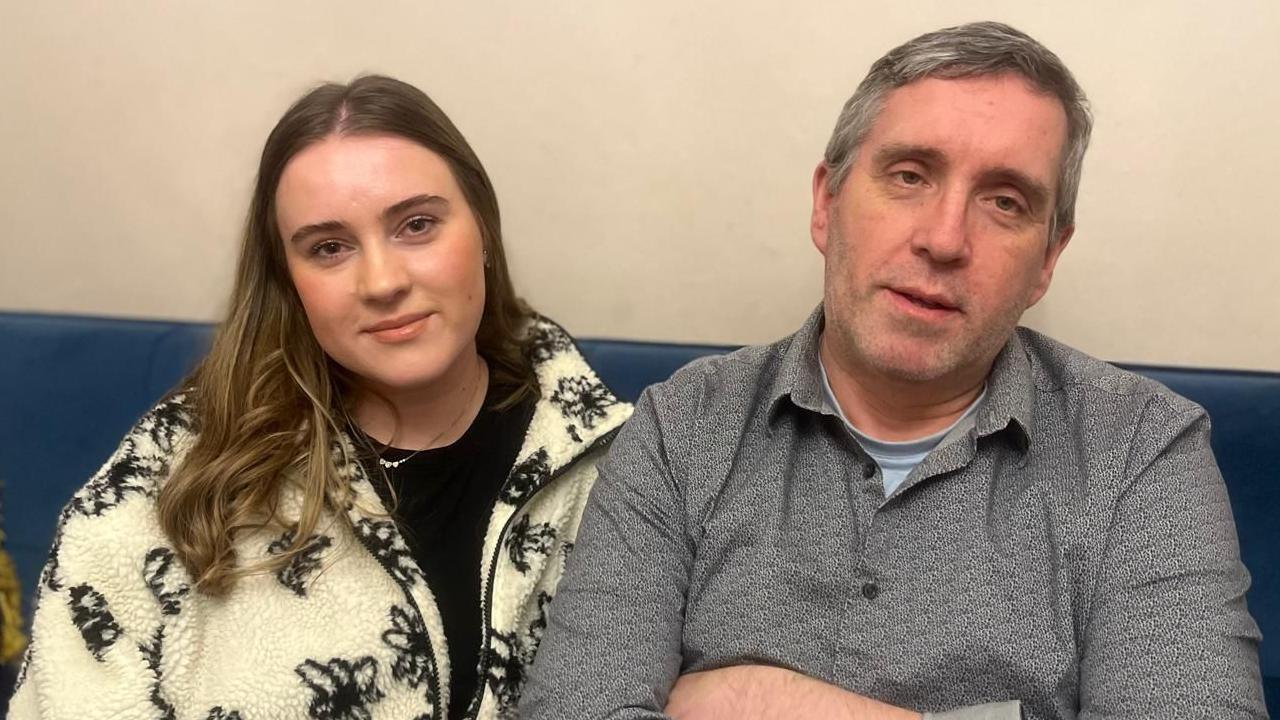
(1051, 255)
(822, 201)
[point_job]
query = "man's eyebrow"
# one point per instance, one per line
(412, 202)
(900, 151)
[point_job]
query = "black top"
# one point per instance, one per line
(443, 500)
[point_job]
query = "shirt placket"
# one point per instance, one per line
(867, 626)
(855, 648)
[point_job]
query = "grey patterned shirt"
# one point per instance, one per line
(1075, 551)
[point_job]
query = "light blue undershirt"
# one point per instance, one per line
(898, 459)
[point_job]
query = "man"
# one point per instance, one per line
(911, 505)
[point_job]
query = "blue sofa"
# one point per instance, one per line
(71, 386)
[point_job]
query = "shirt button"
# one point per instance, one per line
(870, 590)
(869, 471)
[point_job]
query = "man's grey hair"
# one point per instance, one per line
(976, 49)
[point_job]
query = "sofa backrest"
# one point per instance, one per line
(71, 386)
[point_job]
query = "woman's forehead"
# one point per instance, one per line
(359, 174)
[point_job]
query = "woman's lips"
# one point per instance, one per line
(399, 329)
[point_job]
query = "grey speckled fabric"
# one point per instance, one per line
(1074, 552)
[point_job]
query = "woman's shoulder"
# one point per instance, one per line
(566, 378)
(144, 458)
(111, 523)
(545, 338)
(576, 413)
(554, 352)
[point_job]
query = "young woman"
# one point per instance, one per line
(361, 502)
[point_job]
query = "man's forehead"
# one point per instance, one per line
(983, 120)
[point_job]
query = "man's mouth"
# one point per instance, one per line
(926, 300)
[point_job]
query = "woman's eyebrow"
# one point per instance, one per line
(307, 231)
(328, 226)
(414, 201)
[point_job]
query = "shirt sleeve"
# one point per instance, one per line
(612, 647)
(1167, 632)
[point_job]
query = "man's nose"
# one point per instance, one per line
(943, 232)
(383, 276)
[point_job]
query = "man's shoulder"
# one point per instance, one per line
(740, 379)
(1059, 369)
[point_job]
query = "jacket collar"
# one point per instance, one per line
(574, 413)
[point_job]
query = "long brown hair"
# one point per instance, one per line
(269, 405)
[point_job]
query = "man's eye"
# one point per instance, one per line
(909, 177)
(1008, 204)
(419, 224)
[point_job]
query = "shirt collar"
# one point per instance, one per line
(1010, 393)
(1010, 388)
(798, 377)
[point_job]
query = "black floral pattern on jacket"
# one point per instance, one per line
(303, 565)
(526, 477)
(407, 637)
(525, 539)
(510, 655)
(93, 618)
(583, 399)
(164, 579)
(152, 650)
(382, 539)
(341, 689)
(547, 341)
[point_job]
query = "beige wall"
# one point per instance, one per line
(653, 158)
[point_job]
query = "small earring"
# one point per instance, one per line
(486, 258)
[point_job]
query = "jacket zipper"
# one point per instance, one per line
(483, 679)
(433, 684)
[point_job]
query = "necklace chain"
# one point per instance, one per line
(393, 464)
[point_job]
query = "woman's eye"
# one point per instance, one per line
(419, 224)
(327, 248)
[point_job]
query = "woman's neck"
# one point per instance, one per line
(426, 417)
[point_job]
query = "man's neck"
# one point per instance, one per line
(895, 409)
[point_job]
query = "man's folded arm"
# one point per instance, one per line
(761, 692)
(1168, 633)
(612, 647)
